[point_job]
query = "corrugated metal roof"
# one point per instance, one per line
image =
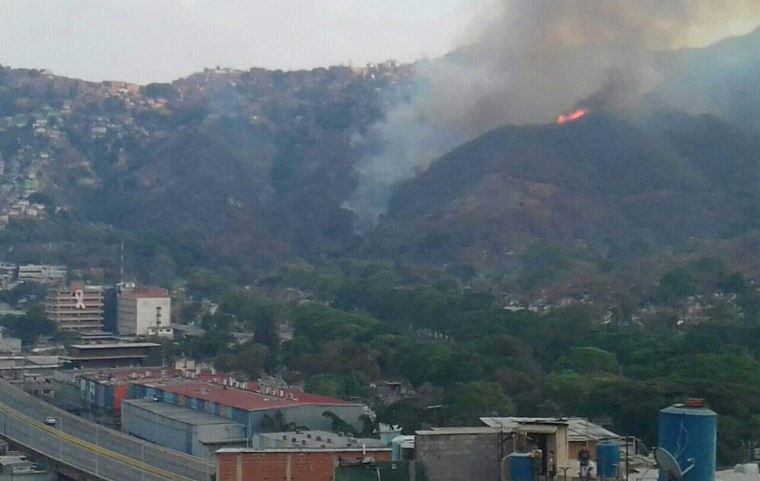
(463, 430)
(578, 429)
(177, 413)
(241, 399)
(116, 345)
(299, 450)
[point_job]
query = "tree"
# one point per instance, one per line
(468, 402)
(589, 360)
(325, 385)
(30, 326)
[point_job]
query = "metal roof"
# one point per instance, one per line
(299, 450)
(118, 345)
(319, 439)
(463, 430)
(578, 429)
(177, 413)
(243, 399)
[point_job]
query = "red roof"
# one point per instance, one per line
(242, 399)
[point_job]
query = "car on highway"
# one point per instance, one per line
(50, 421)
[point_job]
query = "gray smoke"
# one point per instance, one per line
(529, 61)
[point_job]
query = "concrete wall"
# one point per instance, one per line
(459, 457)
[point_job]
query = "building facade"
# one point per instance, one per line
(76, 308)
(119, 355)
(186, 430)
(49, 275)
(144, 312)
(258, 408)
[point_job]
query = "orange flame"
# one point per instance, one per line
(572, 116)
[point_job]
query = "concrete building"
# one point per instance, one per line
(182, 429)
(17, 467)
(252, 405)
(293, 464)
(126, 354)
(17, 368)
(455, 454)
(48, 275)
(8, 273)
(144, 312)
(9, 345)
(76, 308)
(580, 433)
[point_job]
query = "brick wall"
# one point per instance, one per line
(247, 465)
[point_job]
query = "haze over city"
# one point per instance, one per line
(157, 41)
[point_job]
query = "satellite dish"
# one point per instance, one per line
(668, 464)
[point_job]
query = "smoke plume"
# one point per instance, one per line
(525, 62)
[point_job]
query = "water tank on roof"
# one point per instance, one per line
(688, 433)
(608, 459)
(519, 467)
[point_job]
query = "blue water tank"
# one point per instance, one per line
(520, 467)
(608, 459)
(689, 432)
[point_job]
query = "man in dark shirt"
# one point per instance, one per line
(584, 460)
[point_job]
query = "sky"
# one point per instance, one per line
(160, 40)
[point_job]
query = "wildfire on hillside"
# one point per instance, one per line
(573, 116)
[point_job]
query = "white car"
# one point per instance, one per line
(50, 421)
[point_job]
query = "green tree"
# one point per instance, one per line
(468, 402)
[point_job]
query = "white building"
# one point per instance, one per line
(42, 274)
(144, 312)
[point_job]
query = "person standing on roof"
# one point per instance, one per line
(584, 460)
(551, 465)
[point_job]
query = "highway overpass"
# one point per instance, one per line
(89, 447)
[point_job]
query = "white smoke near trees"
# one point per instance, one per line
(524, 63)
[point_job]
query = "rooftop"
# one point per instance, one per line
(117, 345)
(177, 413)
(256, 399)
(319, 439)
(124, 375)
(578, 429)
(146, 292)
(299, 450)
(462, 430)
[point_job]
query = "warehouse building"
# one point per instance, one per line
(186, 430)
(252, 405)
(98, 394)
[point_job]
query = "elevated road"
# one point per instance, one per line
(93, 449)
